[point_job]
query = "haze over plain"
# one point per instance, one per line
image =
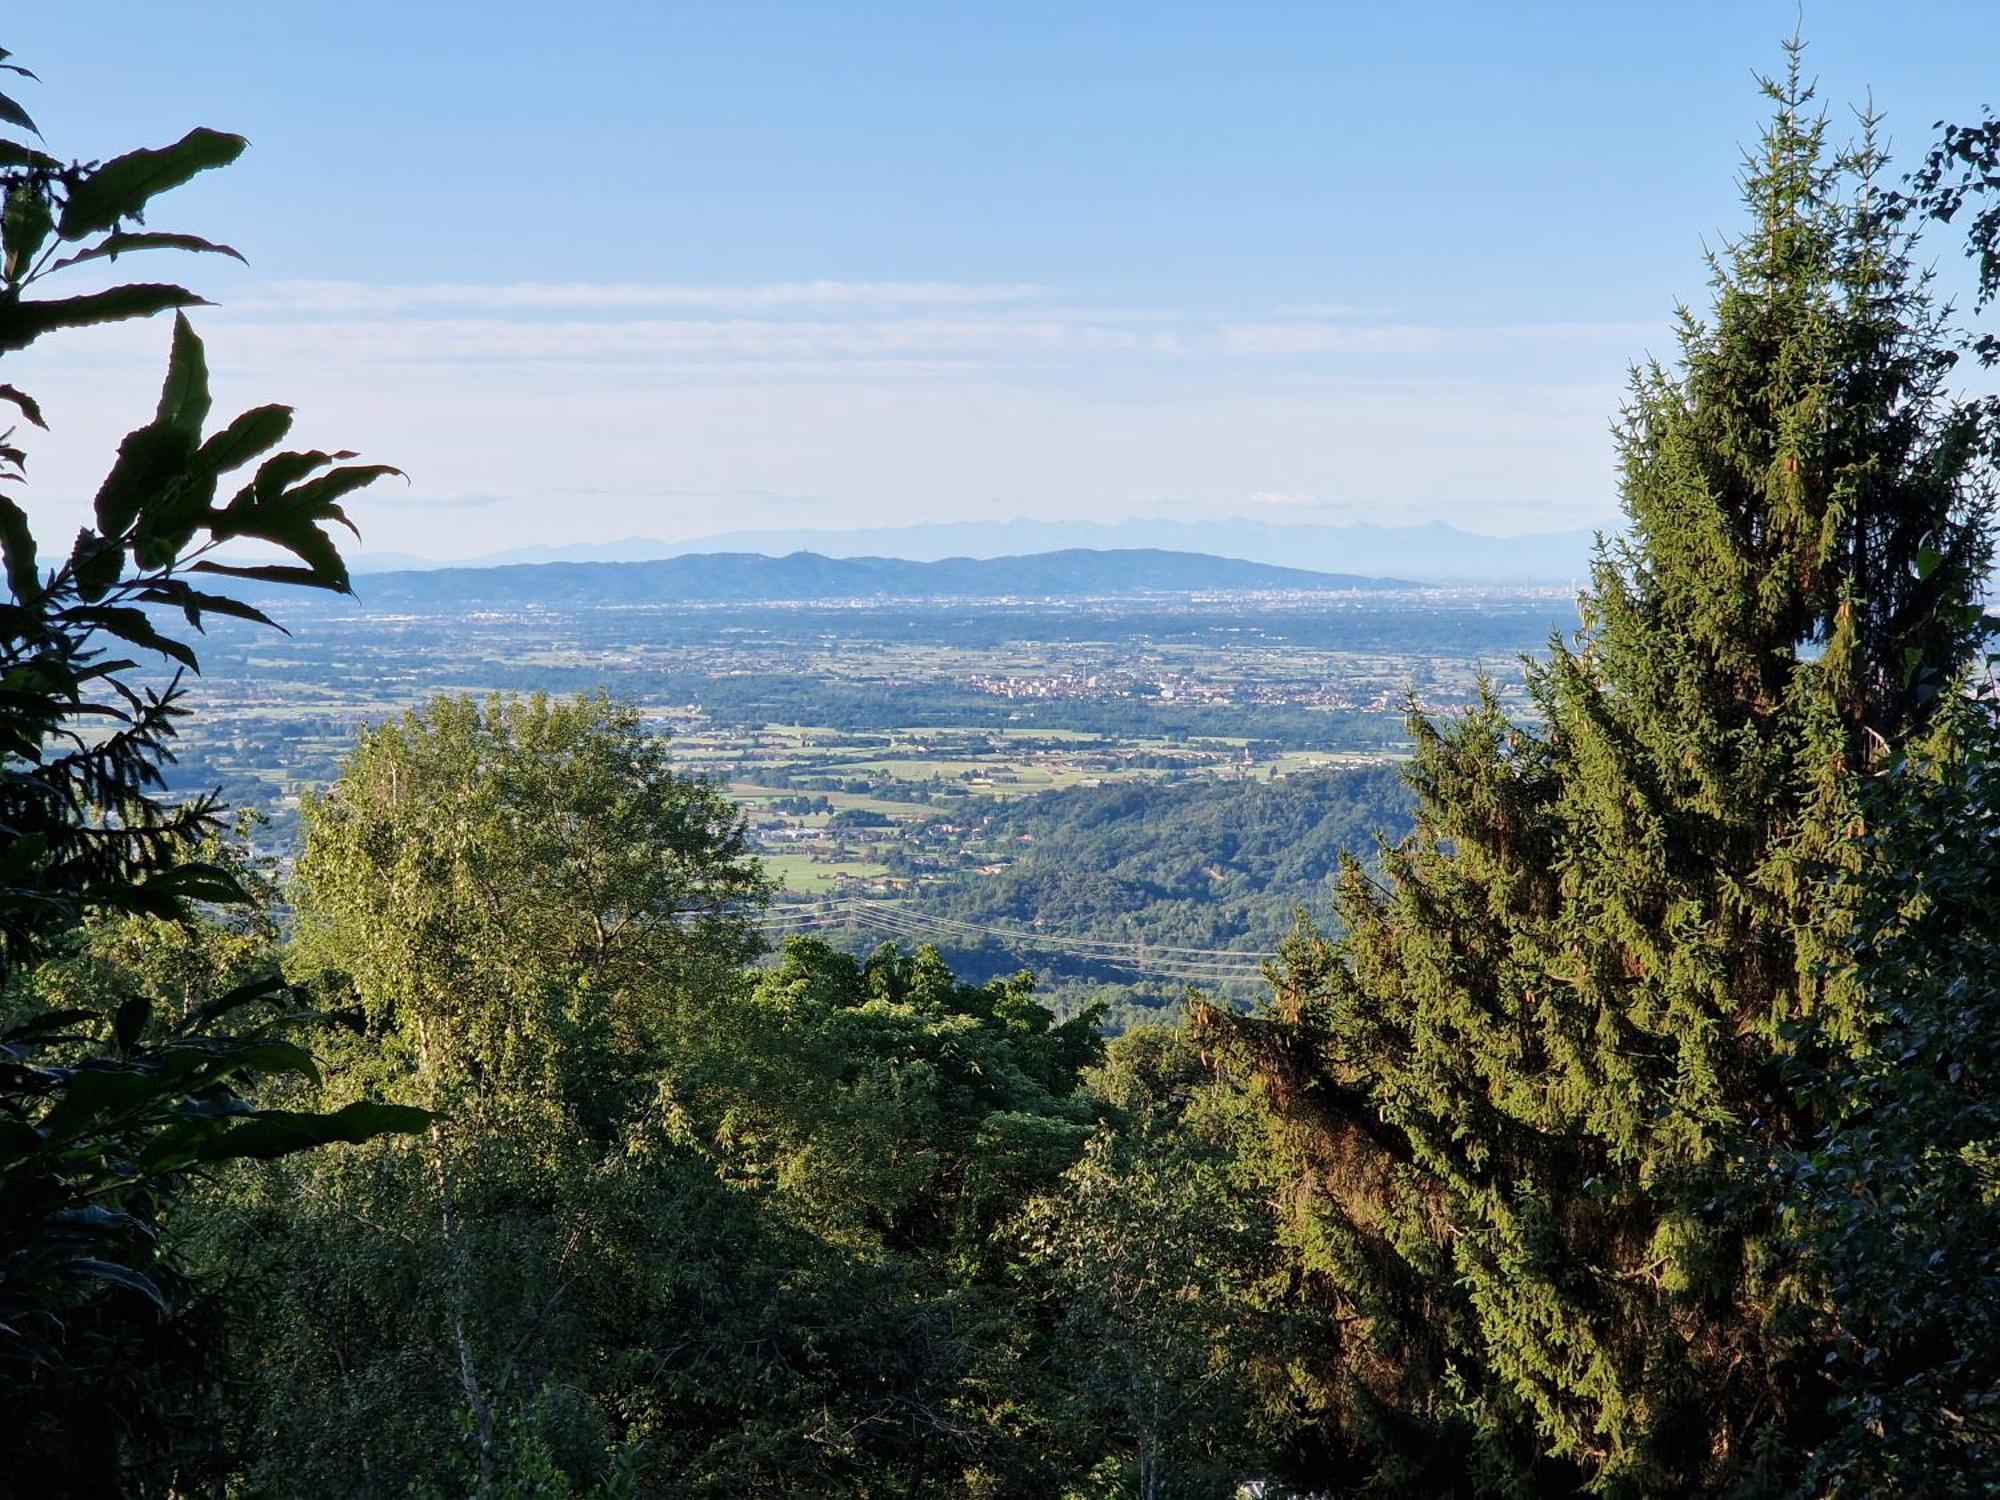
(708, 270)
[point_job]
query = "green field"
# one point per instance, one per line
(805, 875)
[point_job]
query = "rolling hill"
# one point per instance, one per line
(745, 577)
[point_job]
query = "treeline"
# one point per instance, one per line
(1210, 864)
(674, 1223)
(1213, 865)
(779, 698)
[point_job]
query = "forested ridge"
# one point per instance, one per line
(1219, 866)
(803, 576)
(1625, 1126)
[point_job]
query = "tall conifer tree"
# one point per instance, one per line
(1522, 1088)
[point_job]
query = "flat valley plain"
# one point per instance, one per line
(985, 775)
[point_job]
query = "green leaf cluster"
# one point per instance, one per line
(715, 1229)
(1893, 1206)
(109, 1107)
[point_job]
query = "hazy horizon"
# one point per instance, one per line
(702, 270)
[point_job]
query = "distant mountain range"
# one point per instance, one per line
(1435, 553)
(801, 577)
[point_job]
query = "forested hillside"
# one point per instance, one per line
(1220, 866)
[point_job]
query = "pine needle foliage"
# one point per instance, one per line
(1525, 1084)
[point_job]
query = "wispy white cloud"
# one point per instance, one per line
(1414, 340)
(1332, 310)
(895, 330)
(451, 502)
(366, 299)
(597, 411)
(760, 498)
(450, 340)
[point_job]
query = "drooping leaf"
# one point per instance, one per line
(29, 407)
(48, 1023)
(121, 187)
(195, 603)
(125, 241)
(111, 1273)
(98, 1089)
(247, 993)
(275, 1055)
(280, 1132)
(130, 1022)
(13, 114)
(197, 880)
(316, 497)
(133, 625)
(14, 154)
(17, 545)
(269, 573)
(21, 323)
(97, 1216)
(316, 550)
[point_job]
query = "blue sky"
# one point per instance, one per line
(617, 269)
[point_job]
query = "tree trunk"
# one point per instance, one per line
(458, 1277)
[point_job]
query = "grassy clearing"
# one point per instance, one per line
(743, 791)
(801, 873)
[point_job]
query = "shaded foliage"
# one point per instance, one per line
(107, 1107)
(1894, 1204)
